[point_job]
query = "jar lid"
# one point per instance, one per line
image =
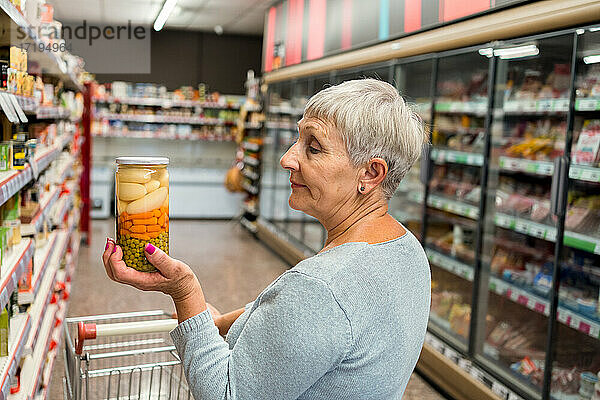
(142, 160)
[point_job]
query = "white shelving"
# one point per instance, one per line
(41, 260)
(19, 329)
(46, 203)
(12, 268)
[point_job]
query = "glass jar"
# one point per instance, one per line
(142, 208)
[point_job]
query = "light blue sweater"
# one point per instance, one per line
(348, 323)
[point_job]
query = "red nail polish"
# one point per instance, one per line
(107, 243)
(114, 249)
(150, 249)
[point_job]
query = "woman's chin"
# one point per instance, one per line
(295, 203)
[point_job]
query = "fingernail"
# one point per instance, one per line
(150, 249)
(107, 243)
(114, 249)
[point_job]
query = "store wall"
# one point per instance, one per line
(187, 58)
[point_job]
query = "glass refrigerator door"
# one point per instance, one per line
(267, 194)
(454, 190)
(577, 340)
(413, 81)
(300, 93)
(528, 134)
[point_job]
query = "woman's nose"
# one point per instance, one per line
(290, 159)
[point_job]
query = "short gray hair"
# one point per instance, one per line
(374, 121)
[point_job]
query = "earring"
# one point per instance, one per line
(362, 188)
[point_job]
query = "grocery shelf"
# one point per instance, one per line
(251, 161)
(540, 305)
(13, 181)
(455, 156)
(13, 267)
(52, 112)
(20, 326)
(56, 337)
(450, 264)
(524, 165)
(163, 119)
(285, 110)
(453, 206)
(542, 106)
(286, 126)
(250, 188)
(252, 125)
(46, 203)
(546, 168)
(154, 135)
(251, 146)
(39, 306)
(587, 104)
(32, 366)
(28, 104)
(546, 232)
(166, 103)
(41, 261)
(251, 226)
(250, 175)
(48, 60)
(416, 197)
(62, 206)
(475, 108)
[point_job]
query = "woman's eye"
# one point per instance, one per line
(313, 150)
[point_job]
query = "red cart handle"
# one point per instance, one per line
(84, 331)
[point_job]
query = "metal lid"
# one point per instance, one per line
(142, 160)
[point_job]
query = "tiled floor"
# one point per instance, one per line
(231, 265)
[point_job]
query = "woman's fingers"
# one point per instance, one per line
(108, 249)
(155, 256)
(141, 280)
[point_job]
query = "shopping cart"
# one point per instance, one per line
(122, 356)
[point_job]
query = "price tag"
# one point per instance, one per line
(537, 231)
(511, 105)
(521, 227)
(584, 327)
(529, 105)
(545, 105)
(561, 105)
(456, 106)
(34, 168)
(586, 104)
(539, 307)
(499, 389)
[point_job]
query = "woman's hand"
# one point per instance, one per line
(174, 278)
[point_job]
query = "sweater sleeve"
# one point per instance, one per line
(296, 334)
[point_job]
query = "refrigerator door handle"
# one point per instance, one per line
(559, 185)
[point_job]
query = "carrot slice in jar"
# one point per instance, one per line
(157, 212)
(161, 220)
(143, 236)
(148, 214)
(138, 229)
(152, 228)
(147, 221)
(153, 235)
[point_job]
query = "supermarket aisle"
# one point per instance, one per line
(232, 267)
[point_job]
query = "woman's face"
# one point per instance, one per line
(322, 176)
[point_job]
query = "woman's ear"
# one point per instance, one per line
(373, 174)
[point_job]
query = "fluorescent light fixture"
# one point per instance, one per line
(595, 29)
(580, 31)
(517, 52)
(592, 59)
(487, 51)
(164, 13)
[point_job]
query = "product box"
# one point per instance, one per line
(4, 74)
(14, 225)
(4, 156)
(12, 208)
(4, 326)
(15, 57)
(25, 281)
(12, 80)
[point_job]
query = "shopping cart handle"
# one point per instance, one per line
(84, 331)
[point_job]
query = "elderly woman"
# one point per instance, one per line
(347, 323)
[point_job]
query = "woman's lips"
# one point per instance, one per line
(296, 186)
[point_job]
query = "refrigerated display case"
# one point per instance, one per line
(506, 202)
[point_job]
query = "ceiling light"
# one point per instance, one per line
(164, 13)
(580, 31)
(517, 52)
(592, 59)
(595, 29)
(218, 30)
(487, 51)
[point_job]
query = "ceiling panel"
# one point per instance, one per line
(235, 16)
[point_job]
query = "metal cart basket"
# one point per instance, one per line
(125, 356)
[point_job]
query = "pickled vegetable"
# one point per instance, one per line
(143, 212)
